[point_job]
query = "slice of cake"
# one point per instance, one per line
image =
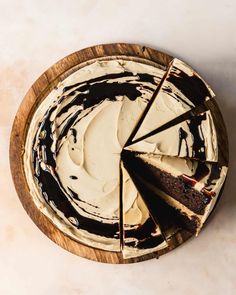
(163, 214)
(141, 234)
(194, 138)
(189, 186)
(181, 90)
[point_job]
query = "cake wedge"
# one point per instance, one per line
(191, 187)
(141, 233)
(193, 138)
(180, 90)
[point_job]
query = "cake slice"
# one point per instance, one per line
(194, 138)
(163, 214)
(141, 234)
(180, 90)
(191, 187)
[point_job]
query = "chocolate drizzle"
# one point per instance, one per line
(170, 92)
(183, 137)
(195, 129)
(192, 86)
(145, 236)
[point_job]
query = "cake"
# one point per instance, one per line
(99, 167)
(191, 187)
(181, 90)
(193, 138)
(141, 233)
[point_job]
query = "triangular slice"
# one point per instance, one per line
(181, 90)
(191, 187)
(142, 235)
(194, 138)
(163, 214)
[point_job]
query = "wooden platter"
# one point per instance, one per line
(39, 90)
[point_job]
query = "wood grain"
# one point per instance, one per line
(39, 90)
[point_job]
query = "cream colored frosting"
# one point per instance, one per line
(167, 142)
(93, 162)
(135, 214)
(167, 106)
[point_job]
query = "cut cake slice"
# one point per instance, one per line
(180, 90)
(191, 187)
(141, 234)
(193, 138)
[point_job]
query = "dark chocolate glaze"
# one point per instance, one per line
(192, 86)
(183, 137)
(211, 181)
(215, 175)
(195, 127)
(88, 94)
(169, 91)
(195, 130)
(145, 236)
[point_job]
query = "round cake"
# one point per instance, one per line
(122, 154)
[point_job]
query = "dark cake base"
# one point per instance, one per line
(169, 218)
(179, 188)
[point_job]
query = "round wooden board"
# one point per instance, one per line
(39, 90)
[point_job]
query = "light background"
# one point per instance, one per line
(33, 36)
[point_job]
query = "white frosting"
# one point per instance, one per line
(167, 105)
(93, 163)
(167, 142)
(96, 186)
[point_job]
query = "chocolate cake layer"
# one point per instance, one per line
(170, 219)
(177, 187)
(190, 187)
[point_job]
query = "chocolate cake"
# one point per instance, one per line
(98, 168)
(190, 186)
(141, 233)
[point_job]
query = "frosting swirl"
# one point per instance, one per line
(73, 146)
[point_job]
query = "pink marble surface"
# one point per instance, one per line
(34, 35)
